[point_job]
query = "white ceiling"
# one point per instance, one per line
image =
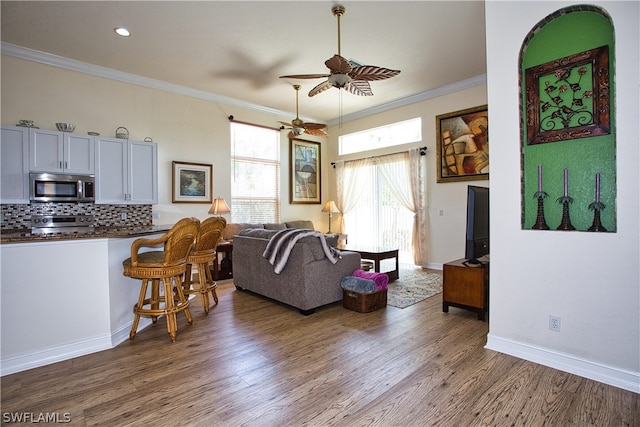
(238, 49)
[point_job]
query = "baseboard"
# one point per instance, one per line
(23, 362)
(616, 377)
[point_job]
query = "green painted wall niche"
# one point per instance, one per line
(567, 32)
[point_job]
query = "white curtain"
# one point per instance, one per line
(350, 179)
(404, 174)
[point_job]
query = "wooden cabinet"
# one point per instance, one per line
(466, 286)
(126, 171)
(14, 182)
(61, 152)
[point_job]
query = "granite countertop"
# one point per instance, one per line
(25, 235)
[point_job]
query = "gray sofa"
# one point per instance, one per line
(309, 280)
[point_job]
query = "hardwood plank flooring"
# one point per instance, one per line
(255, 362)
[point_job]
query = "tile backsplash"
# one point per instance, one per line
(19, 216)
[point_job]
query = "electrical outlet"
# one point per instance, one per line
(441, 212)
(156, 215)
(554, 323)
(123, 215)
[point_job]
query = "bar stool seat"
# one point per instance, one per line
(202, 255)
(168, 266)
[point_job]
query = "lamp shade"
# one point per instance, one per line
(330, 207)
(219, 207)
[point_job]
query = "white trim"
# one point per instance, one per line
(610, 375)
(444, 90)
(31, 360)
(109, 73)
(22, 362)
(121, 76)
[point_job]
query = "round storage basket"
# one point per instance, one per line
(122, 133)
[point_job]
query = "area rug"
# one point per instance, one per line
(413, 286)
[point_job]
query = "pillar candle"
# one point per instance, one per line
(598, 187)
(566, 185)
(539, 177)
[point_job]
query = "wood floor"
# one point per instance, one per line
(254, 362)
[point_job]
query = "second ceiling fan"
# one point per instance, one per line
(342, 74)
(298, 127)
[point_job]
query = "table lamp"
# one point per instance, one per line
(219, 207)
(331, 208)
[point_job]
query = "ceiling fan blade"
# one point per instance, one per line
(338, 65)
(314, 126)
(359, 87)
(372, 72)
(305, 76)
(316, 132)
(292, 135)
(320, 88)
(286, 124)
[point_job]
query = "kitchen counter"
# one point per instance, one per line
(25, 235)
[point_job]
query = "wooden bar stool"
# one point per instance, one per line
(168, 266)
(202, 255)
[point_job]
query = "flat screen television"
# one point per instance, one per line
(477, 244)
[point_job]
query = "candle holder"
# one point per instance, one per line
(565, 224)
(596, 207)
(541, 223)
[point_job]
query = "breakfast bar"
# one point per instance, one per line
(64, 295)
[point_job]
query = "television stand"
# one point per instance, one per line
(466, 286)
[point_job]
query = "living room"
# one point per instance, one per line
(591, 280)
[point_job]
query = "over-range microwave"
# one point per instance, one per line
(56, 187)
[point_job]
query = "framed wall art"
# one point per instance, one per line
(463, 145)
(305, 169)
(568, 98)
(192, 182)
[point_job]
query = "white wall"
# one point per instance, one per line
(446, 233)
(590, 280)
(185, 128)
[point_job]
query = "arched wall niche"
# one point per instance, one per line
(567, 120)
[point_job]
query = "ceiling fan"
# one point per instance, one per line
(343, 75)
(298, 126)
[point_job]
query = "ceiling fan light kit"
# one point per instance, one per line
(343, 75)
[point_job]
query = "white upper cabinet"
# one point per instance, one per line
(54, 151)
(126, 171)
(14, 184)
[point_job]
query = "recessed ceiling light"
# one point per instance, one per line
(122, 32)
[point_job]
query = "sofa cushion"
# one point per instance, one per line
(258, 233)
(274, 226)
(300, 224)
(233, 229)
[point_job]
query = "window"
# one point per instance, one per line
(381, 137)
(255, 174)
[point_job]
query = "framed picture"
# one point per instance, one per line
(305, 171)
(568, 98)
(463, 145)
(192, 182)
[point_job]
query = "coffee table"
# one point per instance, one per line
(376, 254)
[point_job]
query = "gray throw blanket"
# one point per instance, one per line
(281, 244)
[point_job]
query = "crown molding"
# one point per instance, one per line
(443, 90)
(121, 76)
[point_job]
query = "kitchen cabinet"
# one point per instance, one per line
(126, 171)
(61, 152)
(14, 184)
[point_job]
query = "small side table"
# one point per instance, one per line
(222, 264)
(466, 286)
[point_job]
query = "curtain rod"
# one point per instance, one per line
(423, 151)
(231, 119)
